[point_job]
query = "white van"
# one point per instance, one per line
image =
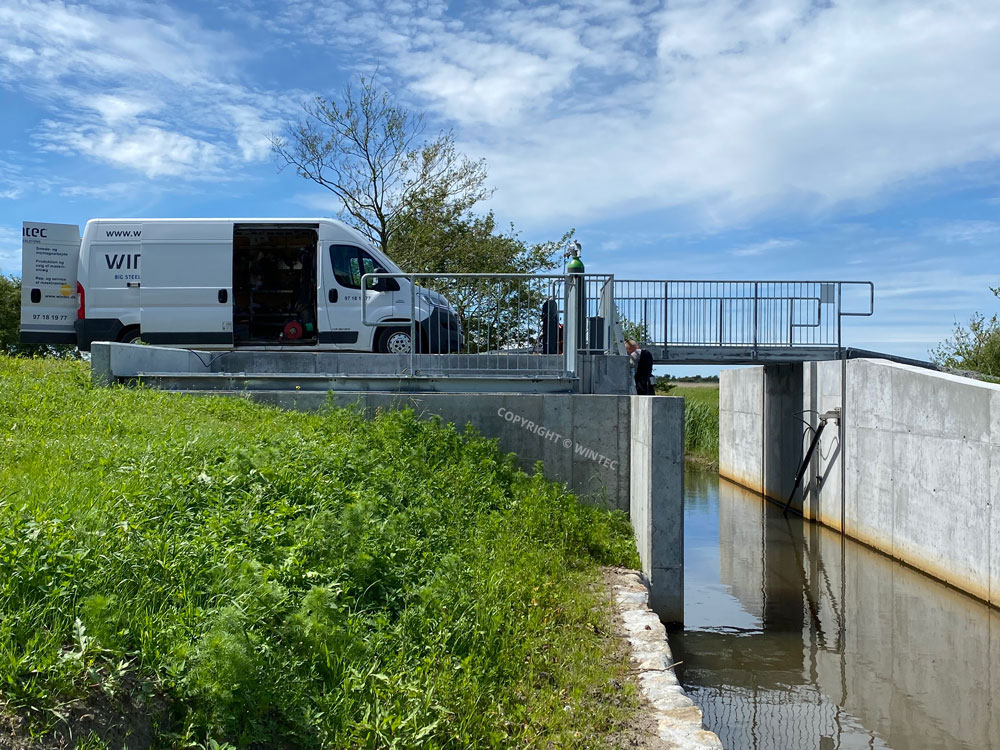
(220, 284)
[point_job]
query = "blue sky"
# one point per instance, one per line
(764, 139)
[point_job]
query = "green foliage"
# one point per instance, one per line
(438, 234)
(415, 199)
(441, 236)
(701, 421)
(701, 431)
(638, 332)
(975, 347)
(292, 580)
(10, 325)
(10, 314)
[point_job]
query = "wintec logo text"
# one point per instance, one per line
(127, 261)
(34, 232)
(123, 233)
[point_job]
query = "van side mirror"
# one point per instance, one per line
(383, 284)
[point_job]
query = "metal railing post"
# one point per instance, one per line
(573, 284)
(666, 304)
(840, 293)
(413, 326)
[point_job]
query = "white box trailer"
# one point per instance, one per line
(222, 284)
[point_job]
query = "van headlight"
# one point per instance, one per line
(436, 301)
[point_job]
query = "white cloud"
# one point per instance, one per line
(763, 248)
(968, 232)
(324, 202)
(137, 86)
(104, 190)
(734, 108)
(584, 110)
(153, 151)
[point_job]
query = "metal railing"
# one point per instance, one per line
(752, 314)
(511, 323)
(537, 325)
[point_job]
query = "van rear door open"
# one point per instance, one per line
(49, 257)
(186, 296)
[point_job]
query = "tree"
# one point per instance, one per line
(637, 332)
(415, 199)
(10, 325)
(441, 236)
(368, 152)
(975, 348)
(10, 314)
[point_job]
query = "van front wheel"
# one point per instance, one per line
(130, 335)
(395, 341)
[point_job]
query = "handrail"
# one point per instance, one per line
(871, 299)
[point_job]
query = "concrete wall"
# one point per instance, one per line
(782, 428)
(822, 486)
(913, 470)
(657, 499)
(741, 426)
(923, 471)
(355, 371)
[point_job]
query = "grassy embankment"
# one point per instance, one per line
(216, 571)
(701, 422)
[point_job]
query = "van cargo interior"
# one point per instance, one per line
(274, 284)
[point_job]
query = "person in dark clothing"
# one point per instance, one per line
(642, 360)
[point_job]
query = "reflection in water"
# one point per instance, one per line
(796, 638)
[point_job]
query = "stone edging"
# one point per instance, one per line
(678, 719)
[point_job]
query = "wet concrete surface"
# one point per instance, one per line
(796, 637)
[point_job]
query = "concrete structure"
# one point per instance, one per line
(657, 481)
(624, 452)
(913, 468)
(244, 369)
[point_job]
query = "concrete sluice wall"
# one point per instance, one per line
(912, 470)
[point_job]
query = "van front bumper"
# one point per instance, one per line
(442, 332)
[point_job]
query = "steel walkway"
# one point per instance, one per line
(734, 322)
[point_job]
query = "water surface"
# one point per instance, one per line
(797, 638)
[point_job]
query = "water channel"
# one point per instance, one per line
(796, 638)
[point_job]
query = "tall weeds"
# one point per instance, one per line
(293, 580)
(701, 432)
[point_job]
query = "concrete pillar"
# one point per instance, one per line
(657, 499)
(100, 363)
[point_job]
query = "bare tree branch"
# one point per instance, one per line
(368, 152)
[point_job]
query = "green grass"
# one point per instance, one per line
(701, 423)
(271, 579)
